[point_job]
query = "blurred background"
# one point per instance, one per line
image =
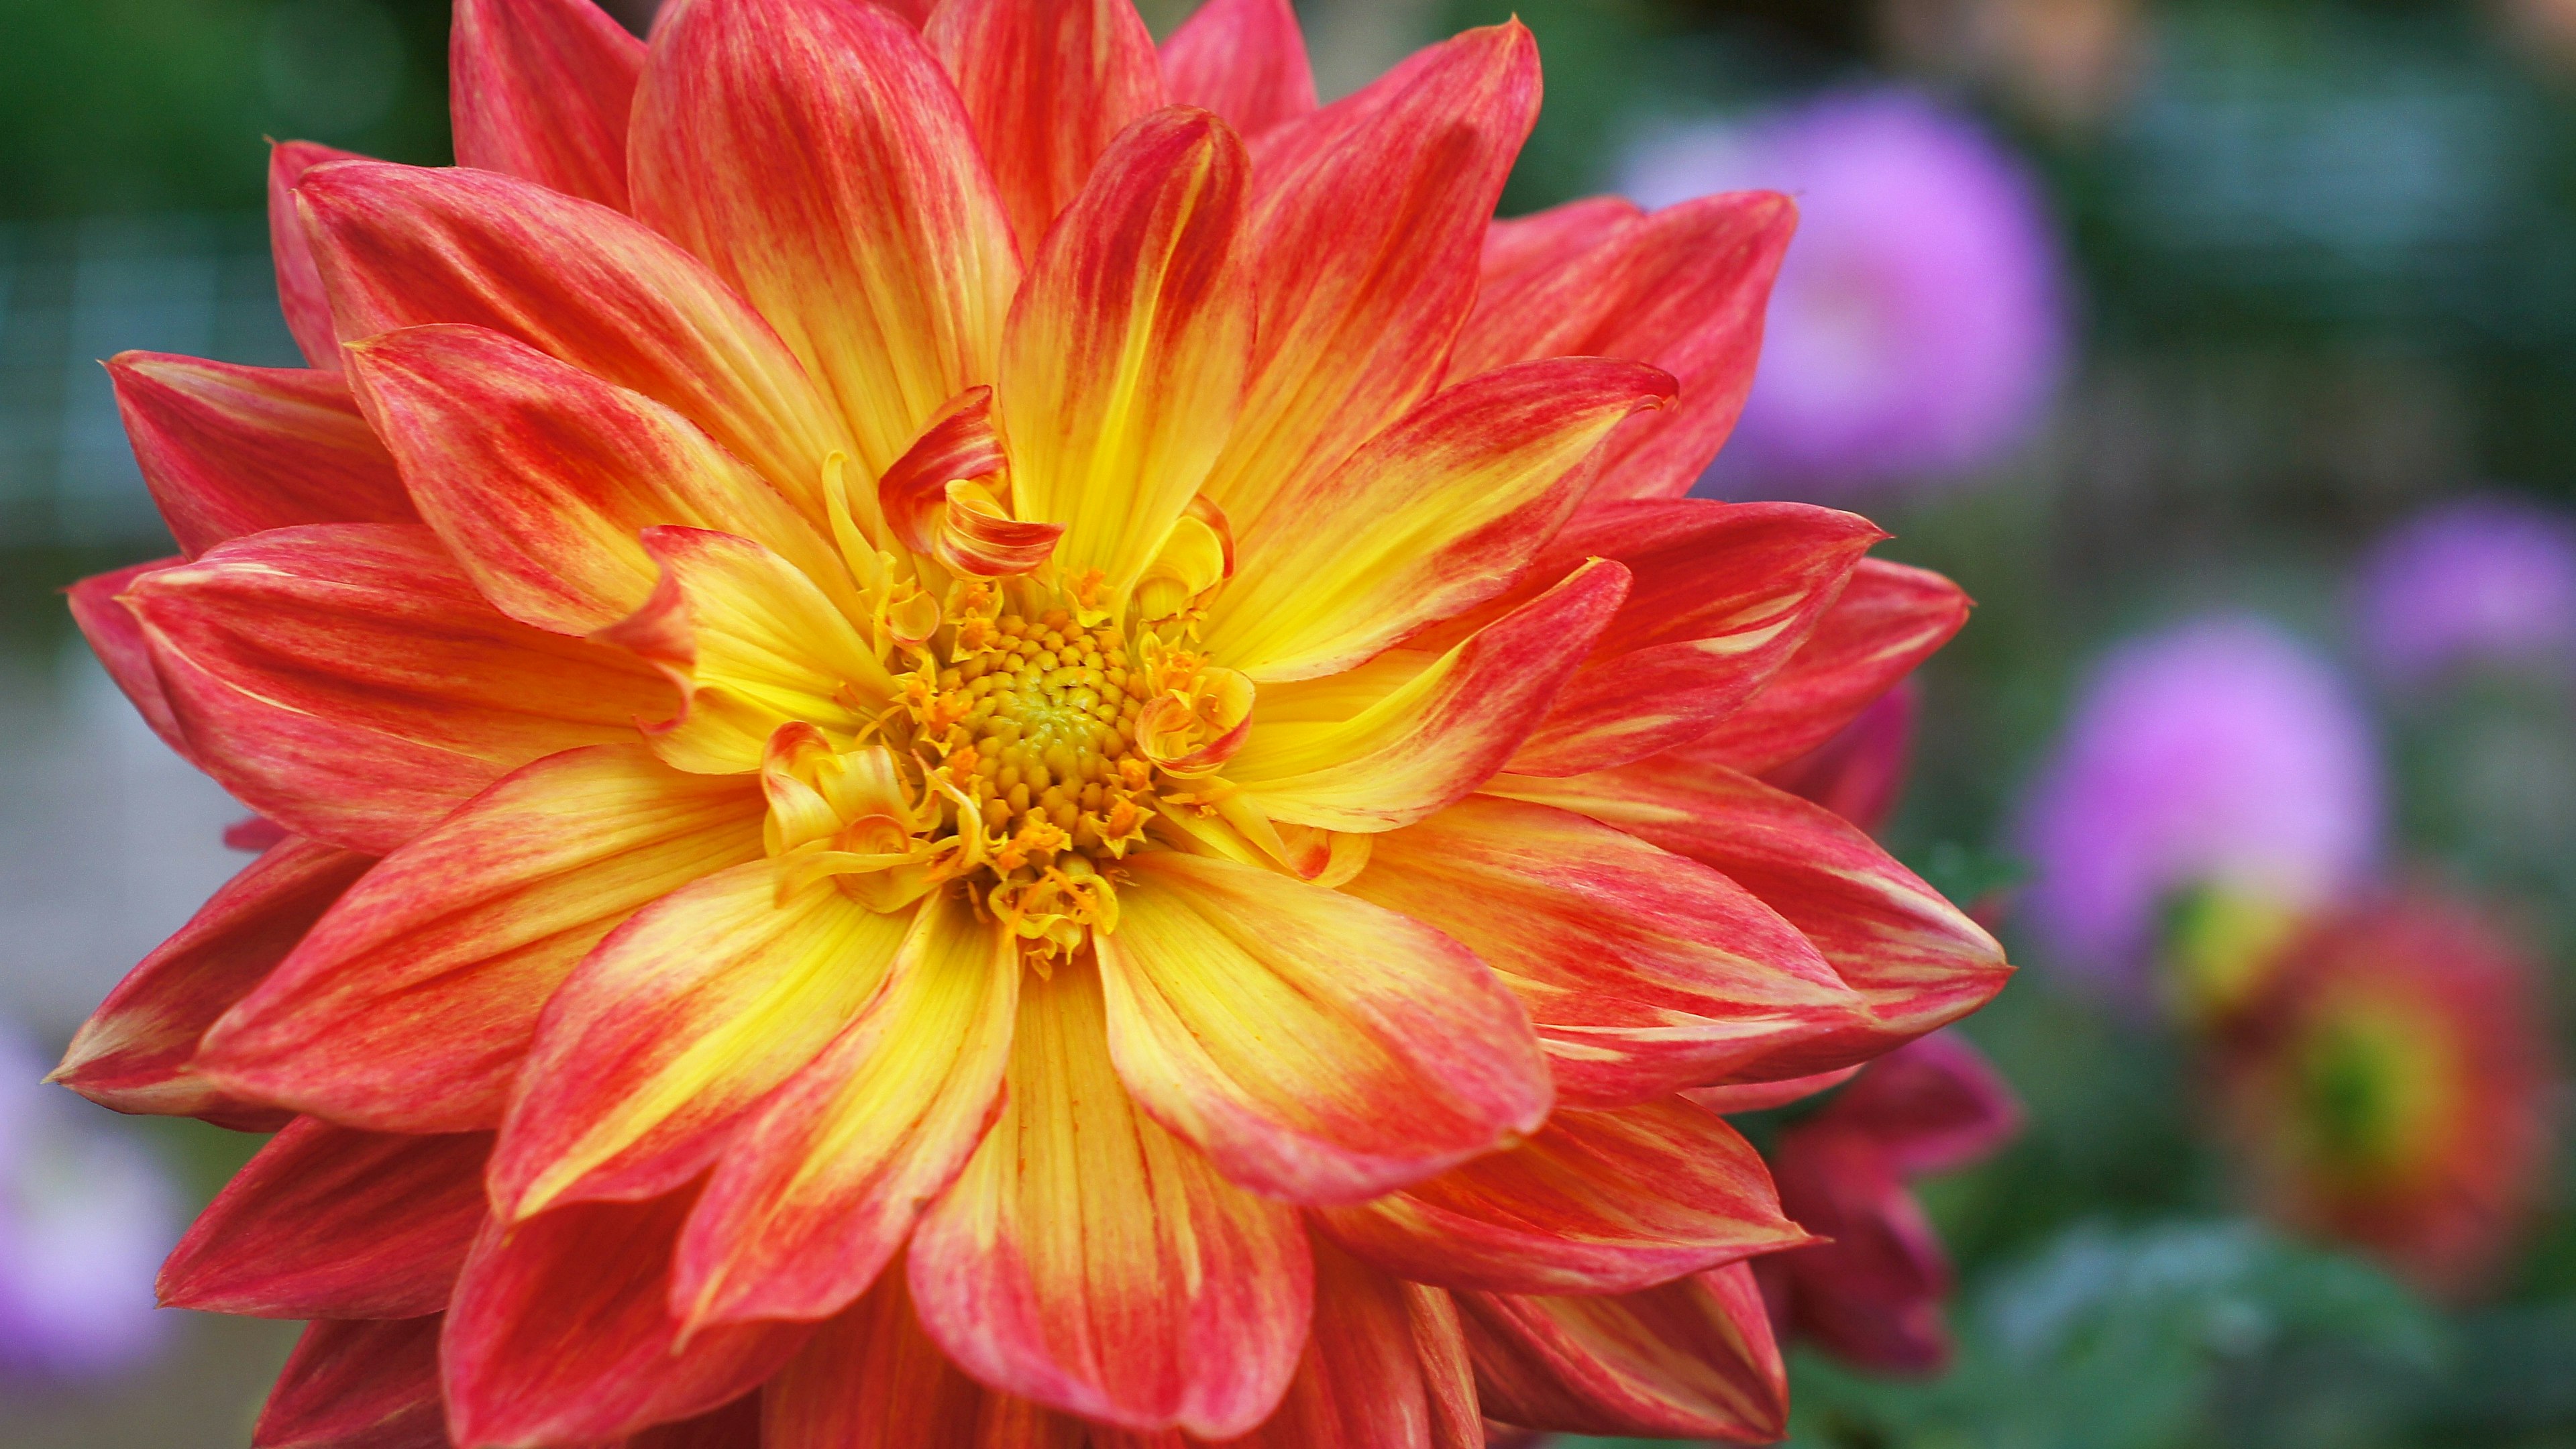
(2224, 350)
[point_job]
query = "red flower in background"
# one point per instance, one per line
(2390, 1087)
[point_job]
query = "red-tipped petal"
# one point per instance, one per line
(1889, 619)
(1641, 970)
(330, 1222)
(1319, 1048)
(541, 89)
(1093, 1263)
(1367, 218)
(411, 1005)
(1914, 958)
(1432, 517)
(680, 1020)
(562, 1333)
(1597, 1202)
(134, 1052)
(1409, 733)
(1724, 595)
(1047, 84)
(820, 161)
(1244, 60)
(1684, 289)
(400, 246)
(117, 638)
(230, 450)
(347, 681)
(1123, 363)
(1692, 1358)
(1386, 1365)
(819, 1190)
(299, 284)
(540, 476)
(357, 1385)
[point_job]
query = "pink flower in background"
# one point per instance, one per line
(1919, 325)
(2389, 1088)
(2488, 581)
(85, 1216)
(2220, 765)
(1874, 1294)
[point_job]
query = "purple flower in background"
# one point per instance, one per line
(85, 1217)
(2480, 581)
(2219, 759)
(1919, 325)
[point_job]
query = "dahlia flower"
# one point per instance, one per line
(2215, 781)
(2478, 582)
(1919, 328)
(988, 738)
(2391, 1085)
(1872, 1290)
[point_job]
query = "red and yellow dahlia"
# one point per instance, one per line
(991, 738)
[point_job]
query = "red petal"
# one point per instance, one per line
(1367, 218)
(1724, 595)
(1548, 239)
(229, 450)
(735, 1426)
(821, 1187)
(1692, 1358)
(1889, 619)
(347, 681)
(820, 161)
(1092, 1262)
(117, 638)
(1916, 960)
(1872, 1292)
(1684, 289)
(404, 245)
(541, 89)
(539, 476)
(562, 1331)
(1763, 1096)
(357, 1385)
(1408, 1057)
(411, 1005)
(328, 1222)
(1935, 1104)
(299, 285)
(134, 1052)
(1641, 970)
(1597, 1202)
(1244, 60)
(1859, 774)
(1047, 83)
(1386, 1365)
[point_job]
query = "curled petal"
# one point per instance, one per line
(1387, 744)
(1916, 961)
(1407, 1058)
(541, 89)
(299, 283)
(1597, 1202)
(1684, 288)
(680, 1020)
(820, 162)
(1642, 971)
(1048, 84)
(1088, 1260)
(1122, 368)
(938, 497)
(1888, 619)
(330, 1222)
(1193, 736)
(134, 1052)
(1244, 60)
(1692, 1358)
(409, 1006)
(358, 1385)
(229, 450)
(561, 1331)
(347, 681)
(821, 1187)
